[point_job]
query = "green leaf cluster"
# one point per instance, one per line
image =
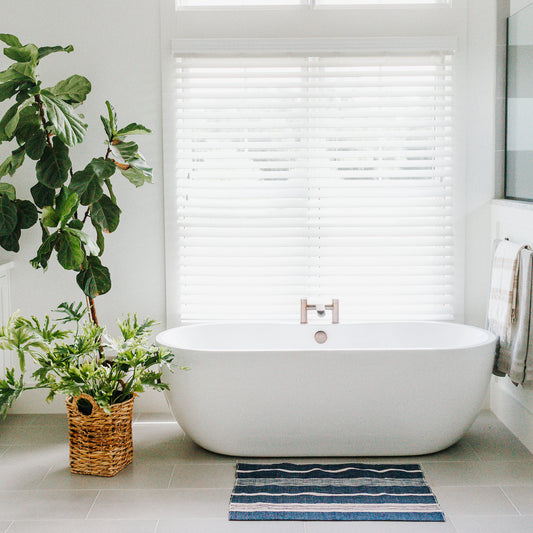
(75, 209)
(68, 361)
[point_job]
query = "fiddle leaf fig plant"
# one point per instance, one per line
(74, 208)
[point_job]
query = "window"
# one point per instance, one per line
(318, 177)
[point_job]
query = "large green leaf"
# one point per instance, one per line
(127, 151)
(47, 50)
(100, 240)
(11, 242)
(8, 216)
(8, 190)
(29, 123)
(70, 252)
(22, 54)
(52, 169)
(105, 214)
(68, 126)
(42, 195)
(13, 162)
(73, 90)
(11, 125)
(26, 213)
(8, 89)
(36, 144)
(49, 217)
(9, 39)
(91, 248)
(88, 182)
(6, 119)
(95, 279)
(45, 250)
(136, 176)
(19, 72)
(133, 129)
(66, 205)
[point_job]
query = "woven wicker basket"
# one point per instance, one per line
(101, 444)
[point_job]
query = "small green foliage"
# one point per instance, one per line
(69, 362)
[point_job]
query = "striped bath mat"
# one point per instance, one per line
(349, 491)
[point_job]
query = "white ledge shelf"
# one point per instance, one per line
(514, 204)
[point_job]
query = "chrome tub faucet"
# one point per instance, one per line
(320, 310)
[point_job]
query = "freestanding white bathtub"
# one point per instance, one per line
(372, 389)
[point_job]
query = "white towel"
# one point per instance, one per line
(503, 289)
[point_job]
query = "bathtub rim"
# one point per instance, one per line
(320, 348)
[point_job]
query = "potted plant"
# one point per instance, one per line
(75, 209)
(100, 391)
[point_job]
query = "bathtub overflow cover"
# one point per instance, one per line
(321, 337)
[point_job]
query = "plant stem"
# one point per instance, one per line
(92, 310)
(43, 119)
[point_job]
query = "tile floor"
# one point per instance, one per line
(484, 484)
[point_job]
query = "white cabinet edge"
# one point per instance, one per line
(6, 267)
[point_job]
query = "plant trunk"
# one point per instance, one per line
(92, 310)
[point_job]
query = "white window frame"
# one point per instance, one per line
(416, 26)
(315, 5)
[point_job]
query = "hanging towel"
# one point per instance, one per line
(504, 289)
(515, 354)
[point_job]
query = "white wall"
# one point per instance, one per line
(513, 220)
(117, 47)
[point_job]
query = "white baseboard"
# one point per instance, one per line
(514, 413)
(34, 402)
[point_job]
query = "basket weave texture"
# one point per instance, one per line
(101, 444)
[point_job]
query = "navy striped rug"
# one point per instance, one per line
(349, 491)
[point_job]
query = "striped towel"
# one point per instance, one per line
(504, 289)
(348, 491)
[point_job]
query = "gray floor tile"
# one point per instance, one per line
(24, 435)
(49, 455)
(45, 504)
(474, 501)
(50, 420)
(492, 441)
(188, 452)
(493, 524)
(161, 504)
(521, 496)
(135, 476)
(203, 476)
(379, 527)
(17, 420)
(3, 449)
(21, 476)
(469, 473)
(155, 418)
(214, 525)
(156, 442)
(4, 526)
(84, 526)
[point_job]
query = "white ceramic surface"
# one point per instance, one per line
(372, 389)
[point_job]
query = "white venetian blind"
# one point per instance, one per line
(317, 177)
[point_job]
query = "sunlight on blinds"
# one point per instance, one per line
(314, 177)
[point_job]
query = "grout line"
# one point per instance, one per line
(156, 526)
(92, 505)
(171, 476)
(509, 498)
(44, 477)
(9, 527)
